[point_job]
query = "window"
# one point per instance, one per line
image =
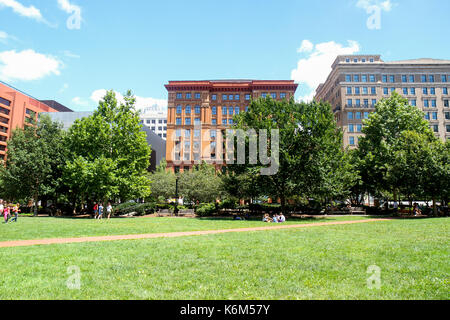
(444, 90)
(273, 95)
(159, 128)
(178, 122)
(372, 78)
(356, 78)
(434, 115)
(358, 115)
(230, 111)
(224, 97)
(364, 78)
(348, 78)
(357, 90)
(447, 127)
(404, 78)
(366, 103)
(427, 115)
(236, 110)
(433, 103)
(423, 78)
(264, 94)
(231, 97)
(411, 78)
(247, 97)
(347, 60)
(425, 103)
(431, 78)
(446, 103)
(358, 128)
(447, 115)
(371, 60)
(148, 122)
(350, 116)
(153, 128)
(178, 133)
(374, 102)
(160, 121)
(392, 90)
(165, 121)
(224, 111)
(224, 121)
(414, 103)
(283, 95)
(188, 95)
(179, 108)
(385, 91)
(432, 91)
(435, 128)
(391, 79)
(187, 133)
(351, 128)
(214, 97)
(214, 110)
(31, 113)
(373, 90)
(197, 121)
(5, 102)
(197, 109)
(355, 60)
(349, 102)
(214, 122)
(366, 115)
(196, 134)
(187, 121)
(351, 141)
(230, 121)
(413, 91)
(213, 133)
(384, 78)
(358, 102)
(153, 121)
(349, 90)
(363, 60)
(187, 110)
(197, 96)
(443, 78)
(237, 97)
(365, 90)
(179, 96)
(405, 91)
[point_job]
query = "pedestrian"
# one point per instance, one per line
(100, 211)
(16, 211)
(95, 210)
(6, 214)
(109, 210)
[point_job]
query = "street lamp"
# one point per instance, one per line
(176, 196)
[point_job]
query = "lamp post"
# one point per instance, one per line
(176, 196)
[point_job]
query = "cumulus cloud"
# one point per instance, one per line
(29, 12)
(74, 21)
(27, 65)
(70, 54)
(142, 103)
(306, 46)
(316, 66)
(81, 102)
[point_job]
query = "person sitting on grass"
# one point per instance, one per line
(275, 218)
(266, 218)
(281, 218)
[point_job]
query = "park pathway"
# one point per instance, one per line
(26, 243)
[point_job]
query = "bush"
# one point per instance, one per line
(228, 204)
(139, 208)
(206, 209)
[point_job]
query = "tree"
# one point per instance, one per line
(311, 161)
(163, 182)
(34, 162)
(384, 131)
(201, 184)
(110, 140)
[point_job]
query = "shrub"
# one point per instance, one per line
(228, 204)
(206, 209)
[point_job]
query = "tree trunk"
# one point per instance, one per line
(434, 207)
(35, 210)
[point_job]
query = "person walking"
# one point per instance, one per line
(2, 207)
(100, 211)
(6, 214)
(95, 210)
(109, 210)
(16, 211)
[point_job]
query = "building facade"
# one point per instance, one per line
(16, 110)
(156, 120)
(357, 82)
(199, 112)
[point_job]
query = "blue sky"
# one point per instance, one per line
(71, 50)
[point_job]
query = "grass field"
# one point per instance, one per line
(41, 228)
(327, 262)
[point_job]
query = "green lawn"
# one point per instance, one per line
(328, 262)
(40, 228)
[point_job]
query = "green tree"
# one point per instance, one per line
(111, 139)
(163, 182)
(311, 162)
(202, 184)
(34, 162)
(383, 133)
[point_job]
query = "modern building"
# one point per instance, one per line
(200, 111)
(16, 110)
(357, 82)
(156, 142)
(155, 119)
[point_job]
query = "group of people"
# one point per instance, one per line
(99, 210)
(7, 210)
(277, 218)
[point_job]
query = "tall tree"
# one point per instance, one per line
(163, 182)
(34, 162)
(111, 139)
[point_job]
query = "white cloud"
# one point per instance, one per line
(27, 65)
(315, 68)
(17, 7)
(74, 21)
(70, 54)
(307, 46)
(307, 98)
(385, 5)
(141, 102)
(81, 102)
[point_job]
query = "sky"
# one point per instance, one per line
(72, 51)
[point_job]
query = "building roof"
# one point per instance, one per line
(420, 61)
(231, 84)
(56, 105)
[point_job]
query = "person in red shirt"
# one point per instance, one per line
(95, 210)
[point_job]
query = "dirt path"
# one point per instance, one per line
(25, 243)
